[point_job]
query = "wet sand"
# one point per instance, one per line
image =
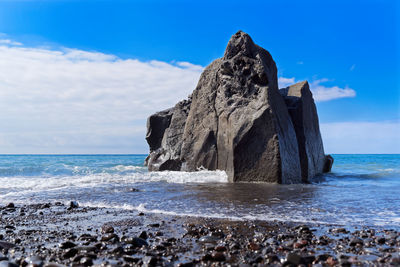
(58, 234)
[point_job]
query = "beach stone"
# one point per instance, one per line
(339, 230)
(7, 264)
(67, 244)
(34, 261)
(86, 249)
(107, 229)
(86, 261)
(109, 237)
(143, 235)
(381, 240)
(220, 248)
(294, 258)
(356, 241)
(73, 205)
(70, 253)
(10, 205)
(136, 241)
(303, 112)
(150, 261)
(218, 256)
(6, 245)
(209, 239)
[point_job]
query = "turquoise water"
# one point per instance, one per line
(362, 190)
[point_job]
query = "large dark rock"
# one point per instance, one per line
(303, 112)
(237, 120)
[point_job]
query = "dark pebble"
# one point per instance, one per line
(131, 259)
(150, 261)
(208, 239)
(86, 261)
(132, 189)
(339, 230)
(67, 244)
(73, 205)
(10, 205)
(207, 257)
(218, 256)
(108, 237)
(86, 249)
(143, 235)
(381, 240)
(356, 241)
(6, 245)
(136, 241)
(220, 248)
(295, 259)
(7, 264)
(34, 261)
(107, 229)
(70, 253)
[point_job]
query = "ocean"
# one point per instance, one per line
(361, 190)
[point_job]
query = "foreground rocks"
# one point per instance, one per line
(237, 120)
(51, 235)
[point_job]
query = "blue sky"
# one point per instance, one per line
(82, 76)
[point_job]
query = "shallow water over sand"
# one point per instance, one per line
(361, 190)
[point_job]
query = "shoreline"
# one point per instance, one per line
(55, 234)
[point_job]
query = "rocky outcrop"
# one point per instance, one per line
(303, 112)
(237, 120)
(164, 136)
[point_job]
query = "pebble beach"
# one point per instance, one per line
(66, 234)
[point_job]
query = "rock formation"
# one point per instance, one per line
(238, 120)
(303, 112)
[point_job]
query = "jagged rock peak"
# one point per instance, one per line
(239, 43)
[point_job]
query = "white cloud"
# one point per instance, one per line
(9, 42)
(324, 93)
(73, 101)
(320, 92)
(285, 82)
(352, 67)
(361, 137)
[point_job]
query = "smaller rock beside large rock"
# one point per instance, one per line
(303, 112)
(164, 136)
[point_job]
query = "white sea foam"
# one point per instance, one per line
(269, 216)
(124, 168)
(20, 186)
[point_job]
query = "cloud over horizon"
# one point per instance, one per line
(75, 101)
(72, 99)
